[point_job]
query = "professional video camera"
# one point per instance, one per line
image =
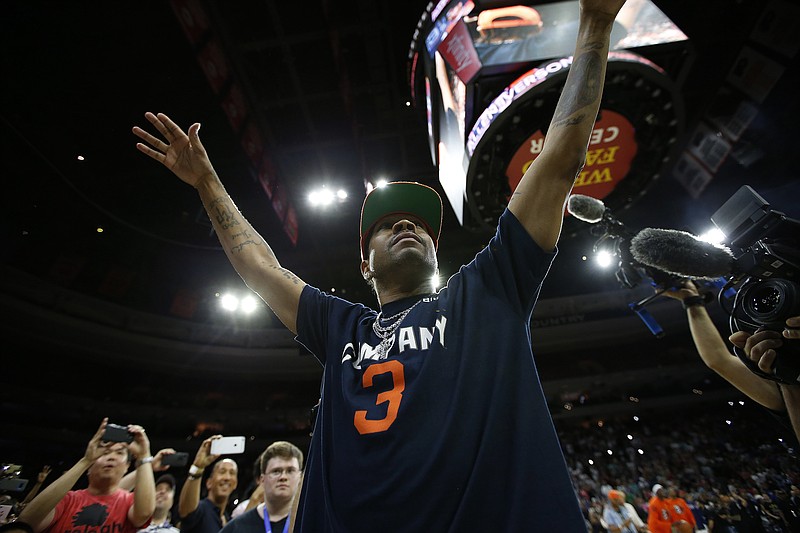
(759, 271)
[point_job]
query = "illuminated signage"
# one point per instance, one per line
(530, 80)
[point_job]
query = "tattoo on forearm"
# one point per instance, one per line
(223, 213)
(239, 247)
(570, 121)
(288, 274)
(583, 89)
(242, 234)
(594, 45)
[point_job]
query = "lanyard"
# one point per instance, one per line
(268, 526)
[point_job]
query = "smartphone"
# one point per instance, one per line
(227, 446)
(175, 459)
(116, 433)
(13, 484)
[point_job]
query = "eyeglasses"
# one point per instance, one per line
(275, 473)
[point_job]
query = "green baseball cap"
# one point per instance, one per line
(401, 197)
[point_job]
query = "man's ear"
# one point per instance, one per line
(366, 273)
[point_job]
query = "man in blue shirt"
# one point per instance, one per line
(432, 416)
(210, 514)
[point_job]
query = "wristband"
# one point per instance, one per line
(144, 461)
(693, 301)
(195, 472)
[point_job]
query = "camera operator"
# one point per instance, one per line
(760, 347)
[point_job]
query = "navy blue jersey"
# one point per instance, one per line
(451, 431)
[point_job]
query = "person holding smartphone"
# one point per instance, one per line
(210, 514)
(104, 505)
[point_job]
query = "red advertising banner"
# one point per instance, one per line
(279, 202)
(290, 225)
(235, 106)
(612, 148)
(214, 64)
(192, 18)
(252, 144)
(267, 176)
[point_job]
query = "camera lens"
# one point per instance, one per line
(771, 302)
(766, 300)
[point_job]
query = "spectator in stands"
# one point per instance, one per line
(208, 515)
(103, 505)
(679, 510)
(659, 519)
(620, 516)
(280, 466)
(165, 499)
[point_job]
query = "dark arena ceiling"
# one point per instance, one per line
(126, 323)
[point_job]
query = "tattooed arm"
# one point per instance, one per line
(538, 202)
(247, 251)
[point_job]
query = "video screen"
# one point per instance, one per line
(522, 33)
(444, 20)
(452, 158)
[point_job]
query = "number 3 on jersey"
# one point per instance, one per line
(394, 396)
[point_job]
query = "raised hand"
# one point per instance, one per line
(203, 458)
(97, 447)
(43, 474)
(180, 152)
(140, 447)
(683, 292)
(157, 458)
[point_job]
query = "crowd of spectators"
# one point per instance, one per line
(732, 465)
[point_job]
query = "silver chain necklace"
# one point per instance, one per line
(386, 333)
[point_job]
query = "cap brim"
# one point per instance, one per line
(402, 197)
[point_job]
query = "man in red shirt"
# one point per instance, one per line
(103, 507)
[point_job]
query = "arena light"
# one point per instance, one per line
(603, 258)
(248, 305)
(321, 197)
(324, 196)
(713, 236)
(229, 302)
